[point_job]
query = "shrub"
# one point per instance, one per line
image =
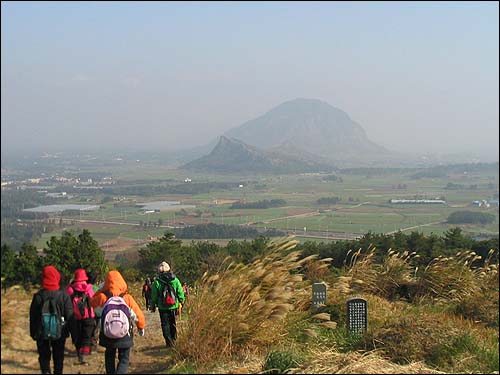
(277, 362)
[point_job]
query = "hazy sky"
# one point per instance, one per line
(417, 76)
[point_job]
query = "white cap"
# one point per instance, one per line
(163, 267)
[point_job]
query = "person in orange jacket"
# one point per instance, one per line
(115, 285)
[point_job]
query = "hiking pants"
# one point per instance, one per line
(54, 348)
(83, 334)
(168, 326)
(123, 359)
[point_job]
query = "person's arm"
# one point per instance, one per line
(90, 290)
(179, 292)
(67, 308)
(69, 290)
(99, 299)
(154, 295)
(35, 308)
(141, 319)
(69, 317)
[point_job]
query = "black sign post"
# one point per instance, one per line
(319, 294)
(357, 315)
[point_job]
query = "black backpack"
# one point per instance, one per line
(168, 297)
(51, 321)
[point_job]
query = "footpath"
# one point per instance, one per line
(19, 355)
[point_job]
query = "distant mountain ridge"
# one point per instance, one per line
(232, 155)
(299, 135)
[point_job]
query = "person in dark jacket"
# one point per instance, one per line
(83, 327)
(115, 285)
(146, 292)
(167, 313)
(46, 348)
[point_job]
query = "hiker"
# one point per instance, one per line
(166, 282)
(50, 299)
(120, 311)
(95, 335)
(83, 324)
(146, 292)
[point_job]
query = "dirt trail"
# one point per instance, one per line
(19, 355)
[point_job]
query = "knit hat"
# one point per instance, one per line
(163, 267)
(50, 278)
(80, 275)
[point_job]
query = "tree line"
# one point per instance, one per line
(190, 261)
(66, 253)
(265, 203)
(470, 217)
(212, 230)
(184, 188)
(328, 200)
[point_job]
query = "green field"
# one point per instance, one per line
(364, 204)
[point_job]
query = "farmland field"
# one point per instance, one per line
(363, 204)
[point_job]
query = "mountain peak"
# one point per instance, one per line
(312, 125)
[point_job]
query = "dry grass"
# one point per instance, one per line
(456, 280)
(241, 307)
(389, 279)
(331, 362)
(451, 278)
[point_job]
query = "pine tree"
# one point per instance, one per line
(8, 269)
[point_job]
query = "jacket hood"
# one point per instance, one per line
(50, 278)
(166, 277)
(115, 283)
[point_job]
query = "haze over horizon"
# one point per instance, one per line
(420, 77)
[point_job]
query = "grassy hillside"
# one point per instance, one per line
(258, 318)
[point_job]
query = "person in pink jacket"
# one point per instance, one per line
(83, 324)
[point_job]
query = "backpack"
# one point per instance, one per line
(81, 305)
(168, 297)
(115, 317)
(51, 322)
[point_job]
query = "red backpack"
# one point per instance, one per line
(81, 305)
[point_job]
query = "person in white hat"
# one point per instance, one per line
(167, 294)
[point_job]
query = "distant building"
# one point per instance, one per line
(483, 203)
(418, 201)
(62, 194)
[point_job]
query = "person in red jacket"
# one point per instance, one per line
(115, 285)
(64, 308)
